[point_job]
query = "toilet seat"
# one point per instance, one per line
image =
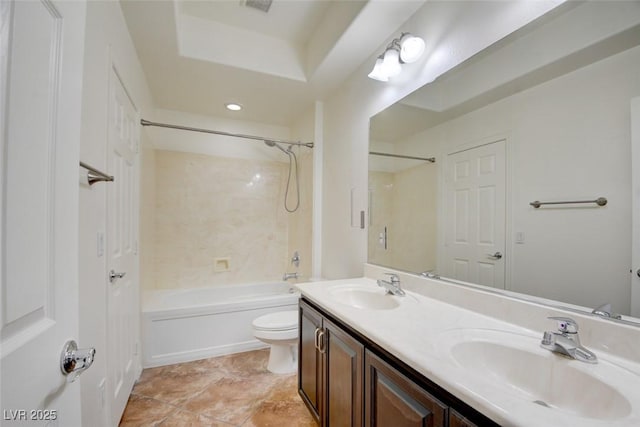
(280, 321)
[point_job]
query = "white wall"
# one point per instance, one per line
(454, 31)
(107, 41)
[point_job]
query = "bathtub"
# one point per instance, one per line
(190, 324)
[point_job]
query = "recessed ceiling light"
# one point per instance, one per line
(233, 107)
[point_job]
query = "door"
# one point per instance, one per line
(40, 77)
(392, 400)
(635, 209)
(310, 360)
(122, 283)
(344, 359)
(475, 215)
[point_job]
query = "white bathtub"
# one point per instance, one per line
(190, 324)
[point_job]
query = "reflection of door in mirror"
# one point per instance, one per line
(475, 215)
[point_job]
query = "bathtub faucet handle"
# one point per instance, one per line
(295, 259)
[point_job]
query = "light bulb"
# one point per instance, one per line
(411, 48)
(378, 73)
(391, 62)
(233, 107)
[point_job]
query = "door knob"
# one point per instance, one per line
(497, 255)
(113, 276)
(74, 361)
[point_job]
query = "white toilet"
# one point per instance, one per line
(280, 330)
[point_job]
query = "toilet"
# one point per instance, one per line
(280, 331)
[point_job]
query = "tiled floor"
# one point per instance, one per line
(234, 390)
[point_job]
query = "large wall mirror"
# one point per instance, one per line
(543, 115)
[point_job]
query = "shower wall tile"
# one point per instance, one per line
(300, 222)
(212, 207)
(404, 203)
(381, 189)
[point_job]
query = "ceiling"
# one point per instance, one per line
(503, 69)
(199, 55)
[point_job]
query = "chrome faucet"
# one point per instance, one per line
(393, 285)
(566, 341)
(605, 311)
(288, 276)
(430, 274)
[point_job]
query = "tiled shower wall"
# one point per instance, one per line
(404, 202)
(300, 222)
(220, 220)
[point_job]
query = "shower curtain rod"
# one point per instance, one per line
(402, 156)
(144, 122)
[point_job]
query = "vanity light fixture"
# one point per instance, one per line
(378, 73)
(403, 50)
(411, 48)
(233, 107)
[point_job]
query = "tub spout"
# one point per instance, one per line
(288, 276)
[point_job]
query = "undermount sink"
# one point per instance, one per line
(363, 296)
(516, 364)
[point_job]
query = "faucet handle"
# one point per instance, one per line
(393, 277)
(566, 324)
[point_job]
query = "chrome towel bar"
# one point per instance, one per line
(600, 201)
(94, 175)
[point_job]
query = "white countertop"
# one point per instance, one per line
(418, 332)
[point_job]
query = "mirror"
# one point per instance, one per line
(542, 115)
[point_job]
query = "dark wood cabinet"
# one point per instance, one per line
(330, 370)
(391, 399)
(457, 420)
(310, 359)
(347, 380)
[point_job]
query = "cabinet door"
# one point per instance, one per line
(457, 420)
(310, 359)
(392, 400)
(343, 377)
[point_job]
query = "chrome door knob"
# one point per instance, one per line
(74, 361)
(497, 255)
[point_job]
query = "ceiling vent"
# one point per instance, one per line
(262, 5)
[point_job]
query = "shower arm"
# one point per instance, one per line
(144, 122)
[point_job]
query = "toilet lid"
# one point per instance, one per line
(279, 321)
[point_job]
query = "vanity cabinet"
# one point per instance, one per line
(391, 399)
(310, 359)
(345, 379)
(330, 370)
(457, 420)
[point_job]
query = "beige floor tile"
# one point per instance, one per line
(182, 418)
(235, 390)
(144, 411)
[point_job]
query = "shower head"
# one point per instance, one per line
(275, 144)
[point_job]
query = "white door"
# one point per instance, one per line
(475, 215)
(122, 292)
(41, 77)
(635, 210)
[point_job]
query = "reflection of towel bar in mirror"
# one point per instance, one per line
(94, 175)
(600, 201)
(402, 156)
